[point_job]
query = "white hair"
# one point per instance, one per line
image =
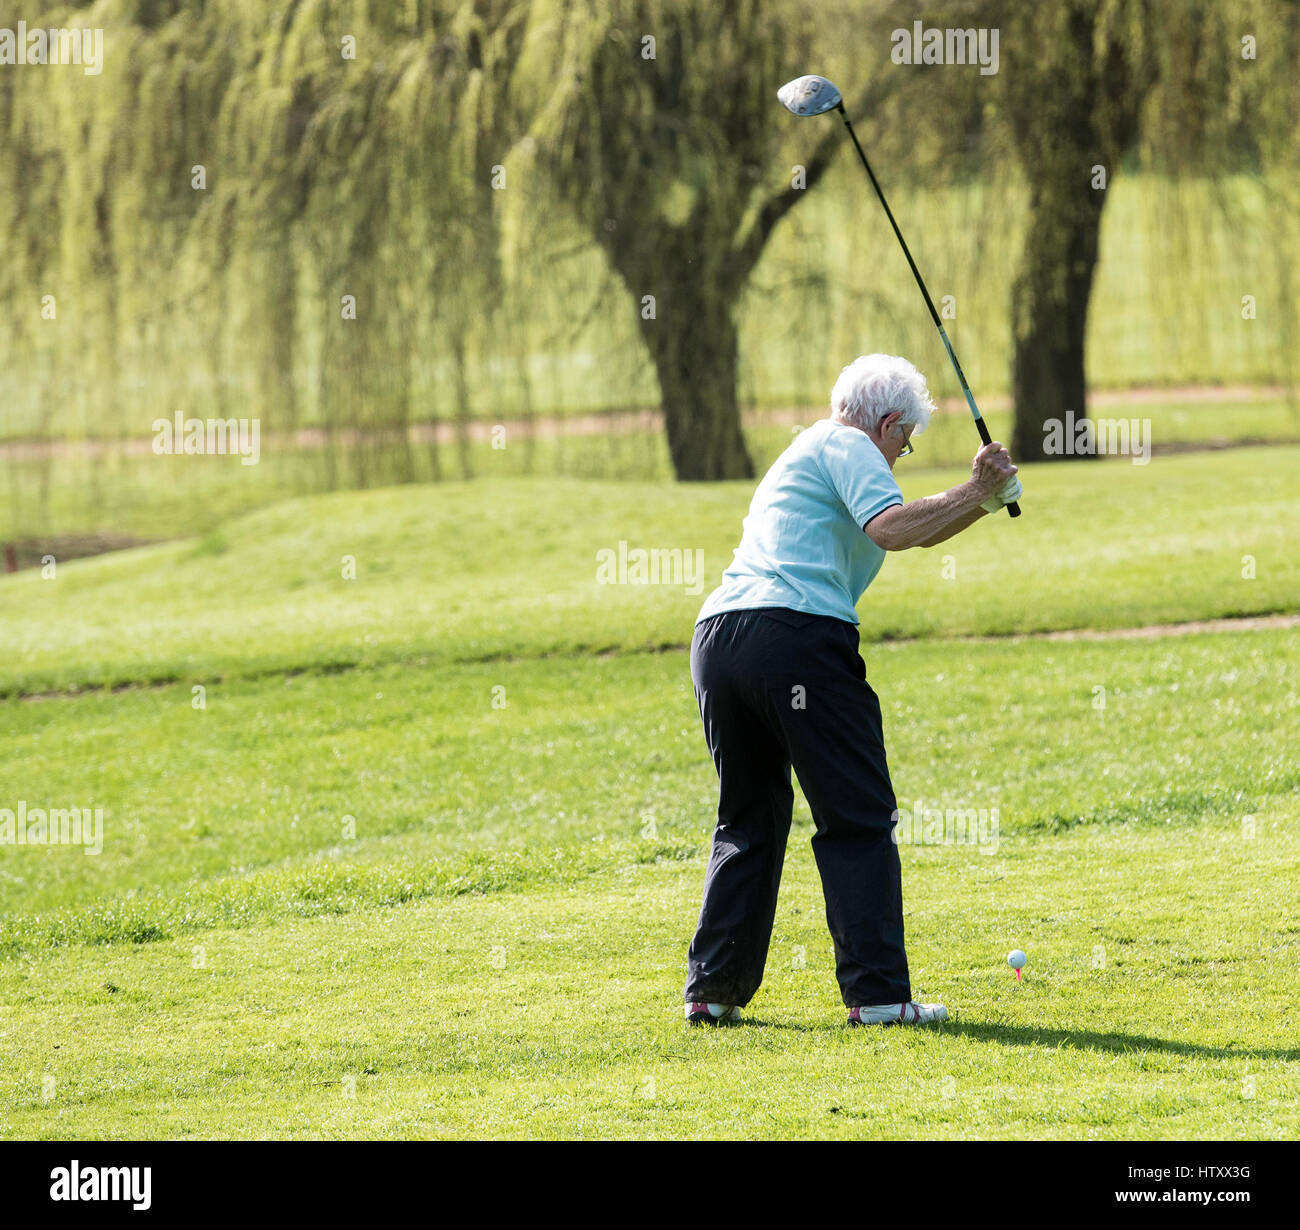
(873, 386)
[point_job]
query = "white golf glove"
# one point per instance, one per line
(1009, 491)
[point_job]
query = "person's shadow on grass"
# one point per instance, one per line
(1091, 1040)
(1036, 1035)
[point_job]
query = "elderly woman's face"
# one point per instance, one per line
(892, 439)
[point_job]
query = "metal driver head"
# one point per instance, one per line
(810, 95)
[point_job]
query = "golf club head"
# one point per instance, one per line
(810, 95)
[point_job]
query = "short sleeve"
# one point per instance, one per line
(858, 473)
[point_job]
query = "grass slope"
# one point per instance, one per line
(465, 572)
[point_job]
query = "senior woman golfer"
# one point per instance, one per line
(779, 682)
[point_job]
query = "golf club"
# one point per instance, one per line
(812, 95)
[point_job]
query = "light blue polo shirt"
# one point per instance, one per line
(803, 545)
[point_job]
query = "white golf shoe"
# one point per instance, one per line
(898, 1014)
(712, 1014)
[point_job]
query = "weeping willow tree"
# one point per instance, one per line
(368, 218)
(1225, 112)
(1087, 87)
(657, 125)
(359, 217)
(1072, 107)
(464, 102)
(276, 215)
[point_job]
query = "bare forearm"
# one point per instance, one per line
(951, 531)
(924, 522)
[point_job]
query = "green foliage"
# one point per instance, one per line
(373, 177)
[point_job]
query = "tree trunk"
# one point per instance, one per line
(694, 347)
(1050, 312)
(1074, 111)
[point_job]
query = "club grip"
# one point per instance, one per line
(1013, 508)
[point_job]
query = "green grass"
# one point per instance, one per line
(464, 572)
(357, 895)
(237, 812)
(521, 977)
(555, 1012)
(545, 1001)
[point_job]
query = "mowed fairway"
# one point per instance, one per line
(427, 861)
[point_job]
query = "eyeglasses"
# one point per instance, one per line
(906, 450)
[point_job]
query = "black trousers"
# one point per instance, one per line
(778, 688)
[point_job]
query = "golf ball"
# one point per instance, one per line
(1016, 959)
